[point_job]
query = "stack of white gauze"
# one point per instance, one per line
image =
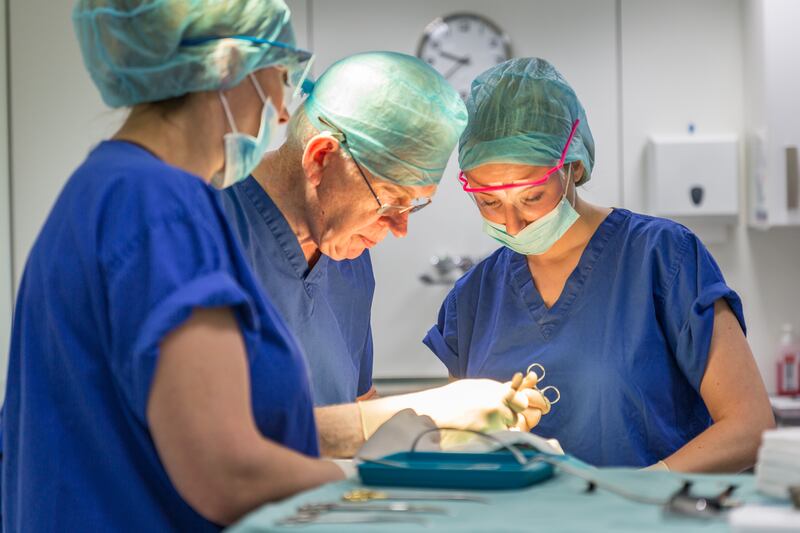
(778, 466)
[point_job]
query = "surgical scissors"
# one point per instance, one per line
(531, 380)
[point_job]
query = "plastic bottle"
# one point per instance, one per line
(788, 364)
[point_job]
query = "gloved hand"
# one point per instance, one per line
(398, 434)
(477, 404)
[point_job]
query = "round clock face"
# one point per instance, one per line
(461, 46)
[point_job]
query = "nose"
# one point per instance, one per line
(514, 222)
(283, 115)
(398, 224)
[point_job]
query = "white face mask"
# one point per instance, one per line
(541, 234)
(244, 152)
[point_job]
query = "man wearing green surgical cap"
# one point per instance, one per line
(367, 149)
(629, 314)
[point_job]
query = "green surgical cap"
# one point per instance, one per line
(401, 119)
(149, 50)
(521, 112)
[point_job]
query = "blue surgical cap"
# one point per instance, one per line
(150, 50)
(400, 118)
(522, 112)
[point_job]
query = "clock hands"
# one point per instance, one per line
(453, 70)
(461, 60)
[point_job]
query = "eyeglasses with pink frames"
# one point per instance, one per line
(465, 184)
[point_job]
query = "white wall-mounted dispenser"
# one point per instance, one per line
(693, 176)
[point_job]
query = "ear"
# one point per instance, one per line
(317, 155)
(578, 172)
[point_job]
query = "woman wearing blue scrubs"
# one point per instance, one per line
(629, 314)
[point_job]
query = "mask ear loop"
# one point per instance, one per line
(568, 177)
(227, 111)
(258, 88)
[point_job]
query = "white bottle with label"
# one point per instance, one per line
(788, 363)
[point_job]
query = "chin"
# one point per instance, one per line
(340, 253)
(355, 252)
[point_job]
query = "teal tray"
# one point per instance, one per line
(447, 470)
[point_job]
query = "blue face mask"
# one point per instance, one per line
(244, 152)
(541, 234)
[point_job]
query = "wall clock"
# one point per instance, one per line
(461, 46)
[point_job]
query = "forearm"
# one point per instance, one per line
(342, 428)
(247, 480)
(339, 430)
(727, 446)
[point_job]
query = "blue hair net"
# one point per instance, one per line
(401, 119)
(149, 50)
(522, 112)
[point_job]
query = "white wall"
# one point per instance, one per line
(5, 216)
(56, 113)
(682, 62)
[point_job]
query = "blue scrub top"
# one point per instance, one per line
(626, 343)
(327, 307)
(130, 248)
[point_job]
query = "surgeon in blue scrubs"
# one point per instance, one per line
(366, 150)
(629, 314)
(323, 284)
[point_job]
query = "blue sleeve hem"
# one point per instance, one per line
(439, 347)
(216, 289)
(695, 336)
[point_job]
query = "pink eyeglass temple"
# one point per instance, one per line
(465, 185)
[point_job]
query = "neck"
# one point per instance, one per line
(282, 177)
(174, 137)
(577, 237)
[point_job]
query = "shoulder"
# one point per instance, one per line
(123, 191)
(648, 236)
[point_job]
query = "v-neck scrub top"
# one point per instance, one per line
(327, 307)
(130, 248)
(626, 342)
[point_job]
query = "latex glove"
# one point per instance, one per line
(398, 434)
(515, 438)
(660, 466)
(477, 404)
(347, 466)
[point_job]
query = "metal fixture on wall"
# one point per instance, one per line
(446, 269)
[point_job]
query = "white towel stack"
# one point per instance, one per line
(778, 466)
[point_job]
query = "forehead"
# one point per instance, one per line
(495, 173)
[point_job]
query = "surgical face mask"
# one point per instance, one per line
(244, 152)
(541, 234)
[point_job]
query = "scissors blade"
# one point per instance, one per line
(397, 507)
(408, 495)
